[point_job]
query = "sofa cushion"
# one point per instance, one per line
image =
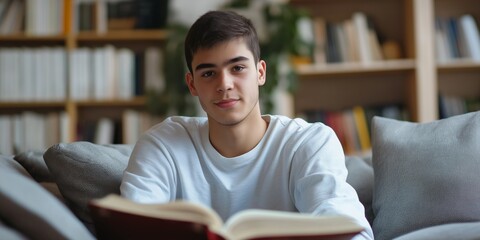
(33, 162)
(464, 231)
(10, 163)
(31, 210)
(9, 233)
(426, 174)
(360, 176)
(84, 171)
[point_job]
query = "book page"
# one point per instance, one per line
(263, 223)
(179, 210)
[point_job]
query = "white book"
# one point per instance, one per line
(52, 129)
(125, 70)
(101, 16)
(131, 126)
(375, 44)
(154, 73)
(361, 28)
(99, 74)
(6, 138)
(471, 36)
(9, 74)
(3, 74)
(37, 74)
(29, 77)
(55, 10)
(34, 134)
(46, 79)
(18, 133)
(104, 131)
(79, 88)
(59, 73)
(21, 74)
(85, 82)
(29, 16)
(72, 74)
(110, 71)
(60, 16)
(15, 90)
(64, 128)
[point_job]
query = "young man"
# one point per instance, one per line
(236, 158)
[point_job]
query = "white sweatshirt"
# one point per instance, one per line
(297, 166)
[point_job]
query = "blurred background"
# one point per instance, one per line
(105, 71)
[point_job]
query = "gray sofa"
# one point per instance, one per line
(422, 182)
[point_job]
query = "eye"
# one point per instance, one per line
(208, 74)
(238, 68)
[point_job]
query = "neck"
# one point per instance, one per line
(235, 140)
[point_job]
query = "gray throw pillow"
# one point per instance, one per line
(426, 174)
(31, 210)
(33, 162)
(463, 231)
(84, 171)
(360, 177)
(9, 163)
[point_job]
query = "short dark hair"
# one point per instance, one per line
(216, 27)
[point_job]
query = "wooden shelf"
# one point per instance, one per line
(349, 68)
(31, 105)
(133, 35)
(137, 43)
(135, 102)
(458, 65)
(29, 38)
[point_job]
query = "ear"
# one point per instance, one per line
(191, 84)
(262, 72)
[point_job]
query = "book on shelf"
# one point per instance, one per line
(16, 131)
(352, 125)
(107, 15)
(11, 22)
(361, 122)
(320, 35)
(351, 40)
(116, 217)
(457, 37)
(104, 132)
(360, 22)
(450, 105)
(470, 37)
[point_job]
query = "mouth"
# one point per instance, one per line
(226, 103)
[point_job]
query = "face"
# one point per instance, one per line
(226, 80)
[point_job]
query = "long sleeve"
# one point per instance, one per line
(319, 180)
(149, 176)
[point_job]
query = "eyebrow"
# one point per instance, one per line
(230, 61)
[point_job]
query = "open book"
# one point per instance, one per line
(118, 218)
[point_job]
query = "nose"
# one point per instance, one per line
(225, 82)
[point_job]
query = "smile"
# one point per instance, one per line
(227, 103)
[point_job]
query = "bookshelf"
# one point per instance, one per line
(421, 76)
(79, 112)
(408, 79)
(416, 79)
(458, 78)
